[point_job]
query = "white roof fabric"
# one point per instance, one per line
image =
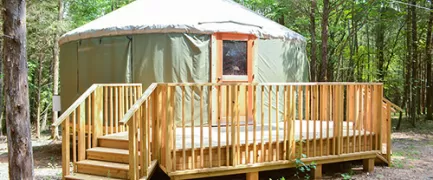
(182, 16)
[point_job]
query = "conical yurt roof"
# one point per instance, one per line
(182, 16)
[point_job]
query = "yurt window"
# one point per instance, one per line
(235, 58)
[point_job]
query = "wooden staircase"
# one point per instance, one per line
(109, 160)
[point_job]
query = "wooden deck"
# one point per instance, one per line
(225, 128)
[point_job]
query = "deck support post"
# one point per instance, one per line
(253, 176)
(317, 172)
(368, 165)
(97, 115)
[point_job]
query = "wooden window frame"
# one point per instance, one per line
(220, 37)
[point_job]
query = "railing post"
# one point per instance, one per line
(97, 115)
(169, 128)
(156, 123)
(65, 148)
(388, 134)
(377, 116)
(132, 133)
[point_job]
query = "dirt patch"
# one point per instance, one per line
(412, 155)
(47, 157)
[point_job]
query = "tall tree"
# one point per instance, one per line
(325, 17)
(428, 62)
(313, 68)
(55, 133)
(414, 89)
(20, 153)
(380, 45)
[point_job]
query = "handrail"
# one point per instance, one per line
(392, 104)
(82, 98)
(71, 108)
(138, 103)
(272, 84)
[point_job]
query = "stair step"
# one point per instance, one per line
(108, 154)
(79, 176)
(103, 168)
(117, 141)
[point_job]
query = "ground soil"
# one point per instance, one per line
(412, 159)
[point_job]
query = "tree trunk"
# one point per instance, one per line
(313, 68)
(38, 96)
(380, 38)
(44, 121)
(20, 153)
(414, 102)
(1, 95)
(55, 133)
(324, 67)
(428, 61)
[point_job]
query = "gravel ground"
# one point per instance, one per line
(47, 159)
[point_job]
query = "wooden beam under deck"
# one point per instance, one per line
(240, 169)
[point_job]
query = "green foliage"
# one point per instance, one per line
(346, 176)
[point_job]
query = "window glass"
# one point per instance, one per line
(234, 57)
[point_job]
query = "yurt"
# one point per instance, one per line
(182, 41)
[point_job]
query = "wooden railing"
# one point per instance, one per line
(387, 109)
(95, 113)
(198, 126)
(140, 118)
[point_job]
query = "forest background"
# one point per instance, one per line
(347, 41)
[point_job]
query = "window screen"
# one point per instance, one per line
(234, 57)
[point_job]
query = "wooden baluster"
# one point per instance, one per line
(81, 132)
(291, 123)
(300, 108)
(336, 121)
(262, 118)
(247, 117)
(144, 148)
(360, 115)
(327, 118)
(277, 120)
(219, 109)
(173, 122)
(322, 111)
(111, 110)
(116, 109)
(370, 116)
(254, 124)
(183, 130)
(270, 124)
(238, 131)
(169, 117)
(89, 121)
(209, 120)
(227, 125)
(353, 114)
(105, 104)
(285, 118)
(365, 115)
(192, 128)
(65, 147)
(307, 119)
(314, 113)
(233, 123)
(74, 139)
(201, 128)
